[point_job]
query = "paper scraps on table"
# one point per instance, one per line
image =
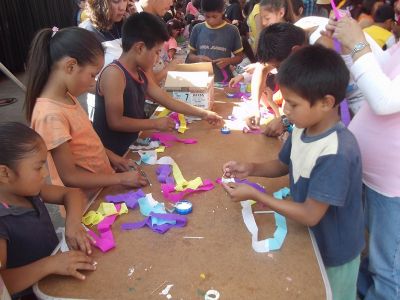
(182, 187)
(269, 244)
(157, 219)
(151, 145)
(105, 240)
(105, 209)
(167, 139)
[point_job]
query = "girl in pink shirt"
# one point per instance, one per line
(192, 9)
(377, 129)
(170, 47)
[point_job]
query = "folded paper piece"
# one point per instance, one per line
(164, 173)
(105, 209)
(157, 219)
(151, 145)
(269, 244)
(169, 192)
(160, 149)
(130, 199)
(179, 221)
(180, 122)
(148, 157)
(182, 186)
(105, 239)
(166, 139)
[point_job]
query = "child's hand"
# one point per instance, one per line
(250, 68)
(234, 169)
(253, 122)
(68, 263)
(203, 58)
(274, 128)
(77, 238)
(119, 163)
(213, 118)
(164, 124)
(222, 62)
(239, 191)
(131, 179)
(235, 80)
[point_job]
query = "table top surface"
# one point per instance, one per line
(143, 262)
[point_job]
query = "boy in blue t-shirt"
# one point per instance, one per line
(215, 40)
(323, 161)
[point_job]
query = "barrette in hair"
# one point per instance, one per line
(54, 29)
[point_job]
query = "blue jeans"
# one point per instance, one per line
(379, 276)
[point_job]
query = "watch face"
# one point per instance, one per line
(285, 122)
(359, 47)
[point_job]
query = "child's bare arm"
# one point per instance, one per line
(74, 176)
(112, 85)
(194, 58)
(21, 278)
(75, 203)
(270, 169)
(226, 61)
(163, 98)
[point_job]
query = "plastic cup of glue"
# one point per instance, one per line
(242, 87)
(225, 130)
(183, 207)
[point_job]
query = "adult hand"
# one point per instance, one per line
(347, 31)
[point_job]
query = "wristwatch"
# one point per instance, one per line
(286, 123)
(358, 47)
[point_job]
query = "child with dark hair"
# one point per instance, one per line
(62, 65)
(380, 31)
(234, 11)
(276, 43)
(275, 11)
(298, 9)
(122, 86)
(323, 161)
(27, 236)
(174, 28)
(215, 41)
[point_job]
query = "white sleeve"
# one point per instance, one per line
(382, 94)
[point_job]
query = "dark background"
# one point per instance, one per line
(21, 19)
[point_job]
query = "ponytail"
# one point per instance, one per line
(48, 48)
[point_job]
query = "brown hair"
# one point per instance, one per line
(100, 13)
(47, 48)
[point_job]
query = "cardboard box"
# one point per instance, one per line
(192, 83)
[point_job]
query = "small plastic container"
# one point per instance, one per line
(242, 87)
(183, 207)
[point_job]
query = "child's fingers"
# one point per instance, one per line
(77, 275)
(84, 244)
